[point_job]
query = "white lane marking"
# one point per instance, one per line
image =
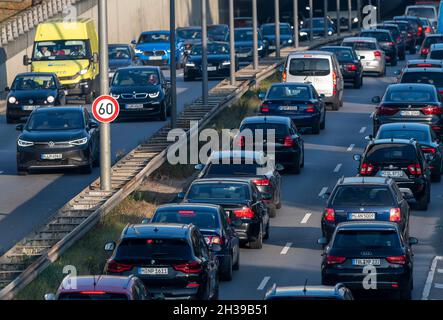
(323, 191)
(306, 218)
(438, 285)
(351, 147)
(263, 283)
(338, 167)
(430, 278)
(286, 248)
(362, 130)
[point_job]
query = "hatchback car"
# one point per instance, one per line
(62, 137)
(319, 68)
(428, 42)
(214, 226)
(371, 54)
(142, 92)
(401, 160)
(365, 199)
(309, 293)
(386, 42)
(30, 91)
(172, 260)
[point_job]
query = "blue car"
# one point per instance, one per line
(286, 35)
(318, 26)
(244, 45)
(153, 48)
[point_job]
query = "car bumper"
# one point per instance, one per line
(147, 111)
(197, 73)
(299, 120)
(287, 157)
(174, 293)
(71, 158)
(248, 231)
(18, 112)
(372, 66)
(81, 88)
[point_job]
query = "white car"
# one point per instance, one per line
(372, 57)
(423, 11)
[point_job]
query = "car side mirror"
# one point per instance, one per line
(396, 72)
(357, 157)
(369, 138)
(134, 42)
(49, 297)
(279, 167)
(322, 241)
(19, 127)
(146, 221)
(181, 196)
(199, 167)
(26, 60)
(261, 95)
(95, 58)
(413, 241)
(376, 99)
(93, 125)
(110, 246)
(407, 193)
(7, 89)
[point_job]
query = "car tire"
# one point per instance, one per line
(257, 243)
(423, 201)
(272, 211)
(88, 168)
(336, 106)
(323, 123)
(226, 269)
(296, 168)
(316, 128)
(358, 83)
(236, 265)
(163, 114)
(266, 235)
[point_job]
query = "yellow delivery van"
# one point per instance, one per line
(70, 50)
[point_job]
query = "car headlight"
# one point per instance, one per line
(12, 99)
(302, 33)
(79, 142)
(50, 99)
(330, 32)
(154, 95)
(290, 41)
(23, 143)
(355, 20)
(84, 71)
(115, 96)
(190, 64)
(260, 48)
(138, 51)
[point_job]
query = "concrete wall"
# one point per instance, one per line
(127, 19)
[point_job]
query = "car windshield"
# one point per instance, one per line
(219, 170)
(342, 54)
(410, 96)
(34, 83)
(432, 40)
(289, 92)
(399, 153)
(360, 45)
(421, 12)
(219, 191)
(279, 129)
(421, 136)
(309, 67)
(146, 249)
(119, 53)
(136, 77)
(61, 50)
(243, 35)
(189, 34)
(362, 196)
(217, 30)
(434, 78)
(436, 54)
(92, 296)
(53, 119)
(401, 26)
(213, 49)
(380, 36)
(153, 38)
(366, 239)
(203, 219)
(269, 30)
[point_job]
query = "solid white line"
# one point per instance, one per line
(362, 130)
(263, 283)
(286, 248)
(438, 285)
(430, 278)
(351, 147)
(338, 167)
(306, 218)
(323, 191)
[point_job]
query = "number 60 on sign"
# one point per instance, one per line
(105, 109)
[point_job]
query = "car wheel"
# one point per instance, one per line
(297, 167)
(236, 265)
(272, 211)
(336, 106)
(323, 123)
(406, 293)
(266, 235)
(226, 269)
(22, 172)
(163, 113)
(423, 201)
(357, 83)
(257, 243)
(316, 128)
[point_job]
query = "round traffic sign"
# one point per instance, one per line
(105, 109)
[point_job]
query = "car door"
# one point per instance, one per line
(340, 81)
(259, 206)
(229, 234)
(93, 133)
(296, 137)
(209, 258)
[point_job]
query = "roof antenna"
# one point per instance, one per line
(304, 288)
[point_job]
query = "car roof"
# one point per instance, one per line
(64, 108)
(140, 67)
(267, 119)
(412, 86)
(416, 61)
(423, 69)
(367, 225)
(437, 46)
(406, 17)
(284, 84)
(155, 32)
(157, 230)
(311, 52)
(385, 24)
(189, 28)
(337, 47)
(35, 74)
(113, 284)
(405, 125)
(360, 39)
(188, 206)
(273, 24)
(375, 30)
(223, 180)
(365, 180)
(244, 154)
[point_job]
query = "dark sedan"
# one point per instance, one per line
(121, 56)
(188, 37)
(318, 28)
(218, 32)
(244, 45)
(298, 101)
(386, 41)
(286, 35)
(142, 92)
(63, 137)
(30, 91)
(416, 27)
(397, 37)
(428, 42)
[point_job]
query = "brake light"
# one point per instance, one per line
(310, 108)
(186, 213)
(284, 76)
(240, 141)
(377, 54)
(351, 67)
(115, 267)
(428, 29)
(214, 240)
(391, 44)
(429, 150)
(394, 215)
(329, 214)
(334, 259)
(396, 259)
(289, 143)
(244, 213)
(414, 169)
(334, 81)
(366, 169)
(265, 107)
(191, 267)
(424, 65)
(386, 111)
(435, 127)
(424, 51)
(193, 285)
(89, 293)
(261, 182)
(432, 110)
(440, 92)
(419, 31)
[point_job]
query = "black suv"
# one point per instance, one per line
(416, 28)
(403, 161)
(357, 245)
(213, 224)
(365, 199)
(386, 41)
(172, 260)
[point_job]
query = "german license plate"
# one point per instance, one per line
(212, 68)
(365, 262)
(56, 156)
(153, 271)
(155, 58)
(392, 174)
(288, 108)
(272, 47)
(243, 55)
(410, 113)
(363, 216)
(134, 106)
(30, 108)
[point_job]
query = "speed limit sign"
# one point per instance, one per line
(105, 109)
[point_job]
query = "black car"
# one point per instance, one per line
(430, 144)
(213, 225)
(406, 32)
(386, 41)
(244, 45)
(242, 202)
(219, 61)
(428, 42)
(304, 293)
(351, 67)
(172, 260)
(218, 32)
(286, 35)
(424, 63)
(416, 27)
(357, 245)
(62, 137)
(121, 56)
(188, 37)
(142, 92)
(318, 28)
(30, 91)
(426, 75)
(396, 35)
(411, 102)
(365, 199)
(401, 160)
(246, 164)
(288, 145)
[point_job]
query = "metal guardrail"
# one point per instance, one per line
(27, 259)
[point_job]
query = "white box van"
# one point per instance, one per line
(319, 68)
(423, 11)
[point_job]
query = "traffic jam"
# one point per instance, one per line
(356, 238)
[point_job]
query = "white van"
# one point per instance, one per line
(423, 11)
(319, 68)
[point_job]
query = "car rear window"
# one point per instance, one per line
(363, 196)
(221, 191)
(203, 219)
(147, 249)
(366, 239)
(343, 55)
(309, 67)
(232, 169)
(392, 153)
(421, 12)
(410, 96)
(436, 54)
(100, 296)
(279, 129)
(380, 36)
(432, 40)
(434, 78)
(420, 136)
(289, 92)
(361, 45)
(393, 30)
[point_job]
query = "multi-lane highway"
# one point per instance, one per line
(28, 202)
(291, 255)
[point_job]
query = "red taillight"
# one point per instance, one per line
(284, 76)
(440, 92)
(397, 259)
(436, 128)
(432, 110)
(288, 142)
(264, 107)
(187, 213)
(428, 150)
(414, 169)
(391, 44)
(329, 214)
(334, 82)
(428, 30)
(366, 169)
(240, 141)
(115, 267)
(386, 111)
(425, 51)
(351, 67)
(193, 285)
(377, 54)
(90, 293)
(419, 31)
(261, 182)
(310, 108)
(335, 260)
(192, 267)
(244, 213)
(424, 65)
(214, 240)
(394, 215)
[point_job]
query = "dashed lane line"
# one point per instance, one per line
(263, 283)
(306, 218)
(323, 191)
(286, 248)
(338, 167)
(430, 278)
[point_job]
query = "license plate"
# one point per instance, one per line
(52, 156)
(368, 63)
(272, 47)
(288, 108)
(365, 262)
(363, 216)
(410, 113)
(155, 58)
(243, 55)
(392, 174)
(212, 68)
(30, 108)
(134, 106)
(153, 271)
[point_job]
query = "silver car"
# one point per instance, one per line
(371, 55)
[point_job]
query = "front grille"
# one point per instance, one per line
(134, 96)
(243, 50)
(54, 145)
(155, 53)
